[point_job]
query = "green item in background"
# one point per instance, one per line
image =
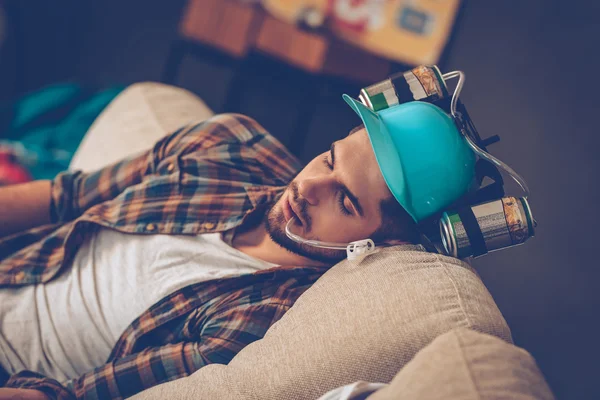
(46, 126)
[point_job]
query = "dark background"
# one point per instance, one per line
(532, 78)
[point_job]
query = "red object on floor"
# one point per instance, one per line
(11, 171)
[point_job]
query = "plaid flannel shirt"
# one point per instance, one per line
(205, 177)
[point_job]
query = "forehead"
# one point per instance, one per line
(359, 169)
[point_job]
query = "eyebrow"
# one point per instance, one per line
(356, 129)
(353, 199)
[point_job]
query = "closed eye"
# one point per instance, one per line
(344, 192)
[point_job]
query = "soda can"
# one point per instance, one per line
(475, 231)
(424, 83)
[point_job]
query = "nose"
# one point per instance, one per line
(314, 188)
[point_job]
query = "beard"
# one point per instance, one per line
(275, 223)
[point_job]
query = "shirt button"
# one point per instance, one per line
(150, 227)
(171, 167)
(209, 226)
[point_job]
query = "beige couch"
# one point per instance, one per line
(422, 321)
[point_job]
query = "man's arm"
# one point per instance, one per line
(74, 192)
(24, 206)
(220, 339)
(70, 194)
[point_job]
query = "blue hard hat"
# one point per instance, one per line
(425, 161)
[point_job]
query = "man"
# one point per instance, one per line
(149, 269)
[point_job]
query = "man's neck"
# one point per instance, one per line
(256, 242)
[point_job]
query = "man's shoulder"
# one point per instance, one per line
(231, 126)
(249, 140)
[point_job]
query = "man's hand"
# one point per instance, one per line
(21, 394)
(24, 206)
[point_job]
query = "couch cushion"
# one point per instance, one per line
(360, 321)
(468, 365)
(136, 119)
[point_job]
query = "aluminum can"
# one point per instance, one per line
(502, 223)
(424, 83)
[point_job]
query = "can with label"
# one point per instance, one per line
(477, 230)
(424, 83)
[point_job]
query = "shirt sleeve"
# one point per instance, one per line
(220, 339)
(74, 192)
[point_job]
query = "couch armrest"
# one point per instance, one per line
(135, 120)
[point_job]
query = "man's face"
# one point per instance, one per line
(335, 198)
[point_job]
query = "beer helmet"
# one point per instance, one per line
(432, 158)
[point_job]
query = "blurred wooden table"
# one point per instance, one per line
(227, 31)
(235, 29)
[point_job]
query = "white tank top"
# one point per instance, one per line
(69, 326)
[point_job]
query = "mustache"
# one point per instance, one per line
(302, 205)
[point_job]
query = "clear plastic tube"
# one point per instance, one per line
(314, 243)
(479, 151)
(461, 81)
(354, 250)
(516, 177)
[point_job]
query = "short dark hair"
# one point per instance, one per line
(396, 223)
